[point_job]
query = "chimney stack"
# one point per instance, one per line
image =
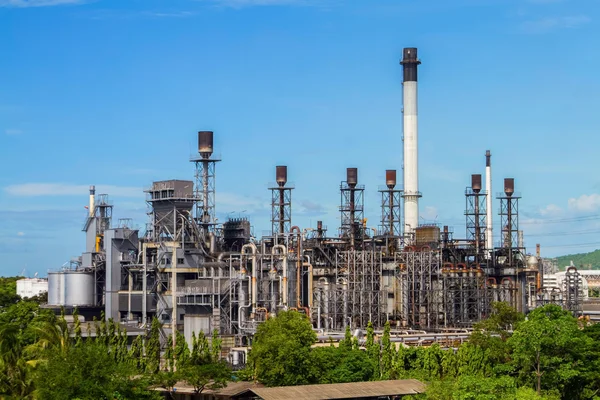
(411, 193)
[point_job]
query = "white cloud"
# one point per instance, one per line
(544, 1)
(256, 3)
(20, 233)
(176, 14)
(550, 210)
(13, 132)
(37, 3)
(547, 24)
(234, 203)
(585, 203)
(62, 189)
(429, 214)
(309, 208)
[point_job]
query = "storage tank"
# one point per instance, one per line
(55, 289)
(79, 288)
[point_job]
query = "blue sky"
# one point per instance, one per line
(112, 93)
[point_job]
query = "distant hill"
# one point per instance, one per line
(589, 260)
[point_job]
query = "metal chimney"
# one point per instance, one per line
(489, 233)
(410, 127)
(390, 178)
(476, 183)
(205, 143)
(281, 175)
(352, 177)
(509, 186)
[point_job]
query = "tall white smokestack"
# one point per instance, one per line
(411, 174)
(489, 238)
(92, 200)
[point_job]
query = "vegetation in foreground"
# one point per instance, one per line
(549, 355)
(42, 357)
(546, 356)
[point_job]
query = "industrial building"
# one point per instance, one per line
(196, 274)
(31, 287)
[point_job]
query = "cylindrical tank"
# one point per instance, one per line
(205, 143)
(281, 175)
(79, 288)
(509, 186)
(54, 288)
(476, 183)
(352, 176)
(390, 178)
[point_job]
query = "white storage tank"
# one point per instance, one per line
(55, 289)
(79, 288)
(30, 287)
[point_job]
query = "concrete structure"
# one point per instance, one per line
(410, 136)
(30, 287)
(489, 231)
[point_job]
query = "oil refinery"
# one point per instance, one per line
(196, 274)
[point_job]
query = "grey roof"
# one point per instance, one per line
(342, 390)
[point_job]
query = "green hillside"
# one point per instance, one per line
(589, 260)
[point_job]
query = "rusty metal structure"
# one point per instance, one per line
(352, 195)
(281, 203)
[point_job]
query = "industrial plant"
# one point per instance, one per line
(197, 274)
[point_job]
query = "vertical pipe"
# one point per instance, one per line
(410, 127)
(130, 289)
(254, 287)
(352, 218)
(489, 238)
(284, 293)
(144, 285)
(174, 294)
(92, 200)
(281, 211)
(205, 205)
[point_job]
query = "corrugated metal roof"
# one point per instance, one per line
(232, 389)
(342, 390)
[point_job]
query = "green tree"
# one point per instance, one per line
(387, 352)
(215, 346)
(373, 350)
(15, 379)
(280, 352)
(8, 291)
(89, 372)
(182, 351)
(214, 376)
(153, 347)
(549, 351)
(346, 343)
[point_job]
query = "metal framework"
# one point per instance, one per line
(509, 219)
(204, 191)
(476, 221)
(281, 209)
(353, 295)
(352, 212)
(391, 206)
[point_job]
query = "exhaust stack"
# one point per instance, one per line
(410, 137)
(489, 238)
(92, 200)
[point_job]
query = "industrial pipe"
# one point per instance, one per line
(92, 200)
(489, 238)
(254, 288)
(310, 282)
(298, 263)
(284, 294)
(411, 194)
